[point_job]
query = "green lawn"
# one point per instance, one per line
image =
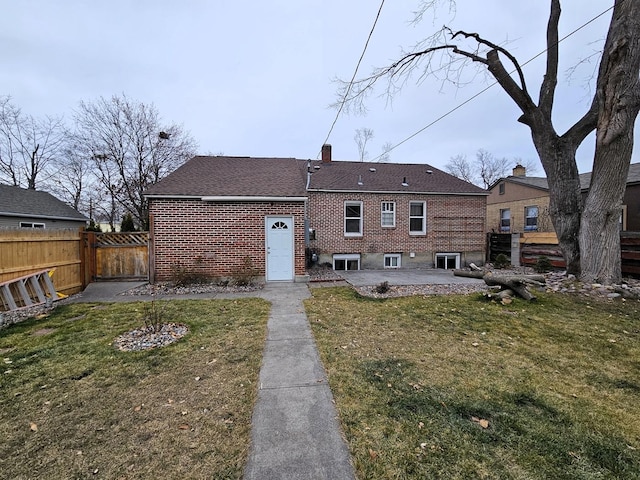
(453, 387)
(72, 406)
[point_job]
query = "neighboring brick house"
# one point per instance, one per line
(519, 203)
(213, 213)
(23, 208)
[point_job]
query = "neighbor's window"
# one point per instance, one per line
(392, 260)
(505, 220)
(501, 189)
(31, 225)
(388, 214)
(530, 219)
(353, 219)
(348, 261)
(417, 218)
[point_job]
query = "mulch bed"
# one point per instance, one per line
(150, 336)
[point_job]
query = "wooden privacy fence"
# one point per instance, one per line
(534, 245)
(116, 256)
(27, 251)
(78, 257)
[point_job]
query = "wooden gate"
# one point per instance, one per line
(116, 256)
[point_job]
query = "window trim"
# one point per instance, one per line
(32, 225)
(392, 212)
(397, 256)
(348, 203)
(423, 231)
(346, 257)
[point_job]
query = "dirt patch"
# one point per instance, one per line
(43, 331)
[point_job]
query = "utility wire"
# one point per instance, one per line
(355, 72)
(486, 88)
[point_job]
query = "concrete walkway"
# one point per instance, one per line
(295, 432)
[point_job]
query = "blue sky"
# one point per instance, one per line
(255, 78)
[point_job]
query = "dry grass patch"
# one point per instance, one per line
(453, 387)
(72, 406)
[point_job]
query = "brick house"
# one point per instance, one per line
(214, 213)
(519, 203)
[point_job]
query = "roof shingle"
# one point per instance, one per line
(35, 203)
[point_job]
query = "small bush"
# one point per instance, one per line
(245, 274)
(382, 287)
(501, 261)
(153, 315)
(182, 276)
(543, 264)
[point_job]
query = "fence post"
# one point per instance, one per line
(515, 249)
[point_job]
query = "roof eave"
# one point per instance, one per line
(402, 192)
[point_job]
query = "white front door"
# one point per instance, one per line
(279, 248)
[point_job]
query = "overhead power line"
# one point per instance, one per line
(473, 97)
(355, 72)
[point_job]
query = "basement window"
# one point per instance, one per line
(392, 260)
(347, 261)
(448, 261)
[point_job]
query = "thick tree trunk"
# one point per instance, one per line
(558, 157)
(618, 94)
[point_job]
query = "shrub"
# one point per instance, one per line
(543, 264)
(127, 224)
(382, 287)
(501, 261)
(245, 274)
(182, 276)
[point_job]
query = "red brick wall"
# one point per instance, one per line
(454, 224)
(214, 238)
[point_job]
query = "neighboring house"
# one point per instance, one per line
(519, 203)
(22, 208)
(214, 213)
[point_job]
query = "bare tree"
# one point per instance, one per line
(446, 52)
(28, 146)
(486, 169)
(362, 137)
(385, 156)
(130, 149)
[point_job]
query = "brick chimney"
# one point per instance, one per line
(326, 153)
(519, 171)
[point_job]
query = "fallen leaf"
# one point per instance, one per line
(138, 408)
(481, 421)
(33, 426)
(475, 344)
(373, 454)
(184, 426)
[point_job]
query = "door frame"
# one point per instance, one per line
(267, 218)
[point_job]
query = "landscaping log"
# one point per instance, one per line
(518, 283)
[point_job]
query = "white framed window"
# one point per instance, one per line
(448, 261)
(392, 260)
(346, 261)
(388, 214)
(31, 225)
(417, 218)
(530, 219)
(505, 220)
(352, 219)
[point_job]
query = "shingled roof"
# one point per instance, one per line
(287, 177)
(388, 178)
(20, 202)
(234, 177)
(585, 179)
